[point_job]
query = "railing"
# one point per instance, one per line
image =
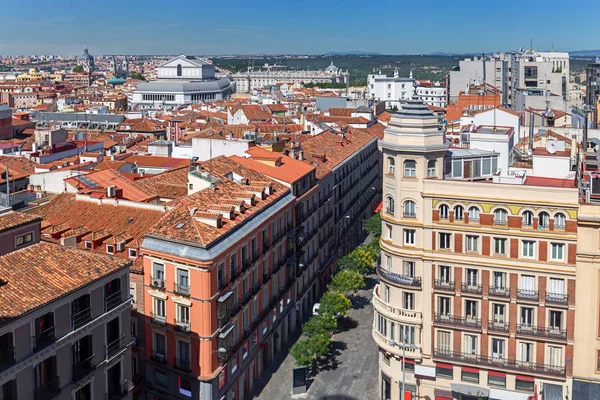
(81, 318)
(7, 357)
(496, 362)
(553, 333)
(398, 312)
(182, 325)
(499, 291)
(255, 288)
(48, 390)
(83, 368)
(454, 320)
(44, 338)
(183, 290)
(497, 326)
(557, 298)
(525, 294)
(245, 298)
(119, 392)
(183, 365)
(471, 288)
(443, 285)
(157, 283)
(266, 245)
(397, 278)
(222, 320)
(159, 356)
(112, 301)
(158, 319)
(115, 347)
(246, 264)
(221, 283)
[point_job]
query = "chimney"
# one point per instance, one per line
(573, 147)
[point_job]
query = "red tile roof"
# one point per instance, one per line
(106, 178)
(141, 125)
(18, 168)
(11, 219)
(287, 169)
(157, 161)
(169, 184)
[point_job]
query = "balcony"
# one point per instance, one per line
(183, 290)
(387, 345)
(557, 298)
(48, 390)
(83, 368)
(222, 320)
(439, 284)
(494, 362)
(398, 314)
(7, 357)
(245, 298)
(498, 291)
(551, 333)
(448, 319)
(158, 318)
(44, 338)
(119, 392)
(182, 325)
(221, 283)
(528, 295)
(157, 282)
(183, 365)
(114, 347)
(497, 326)
(111, 301)
(246, 264)
(255, 288)
(266, 245)
(159, 356)
(399, 279)
(81, 318)
(471, 288)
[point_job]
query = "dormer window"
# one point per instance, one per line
(120, 246)
(88, 244)
(110, 249)
(132, 253)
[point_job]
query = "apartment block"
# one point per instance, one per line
(478, 265)
(64, 320)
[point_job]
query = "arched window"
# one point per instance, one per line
(179, 70)
(544, 220)
(410, 209)
(410, 168)
(444, 211)
(389, 204)
(431, 168)
(473, 214)
(500, 216)
(560, 221)
(459, 213)
(527, 218)
(391, 166)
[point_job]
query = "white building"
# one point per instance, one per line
(395, 90)
(182, 80)
(474, 71)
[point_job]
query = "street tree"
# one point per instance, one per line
(78, 68)
(334, 304)
(373, 225)
(347, 282)
(319, 324)
(303, 352)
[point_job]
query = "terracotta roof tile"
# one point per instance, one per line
(11, 219)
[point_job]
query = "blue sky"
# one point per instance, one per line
(301, 26)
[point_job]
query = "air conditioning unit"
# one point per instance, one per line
(160, 357)
(158, 283)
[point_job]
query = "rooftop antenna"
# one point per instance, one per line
(531, 44)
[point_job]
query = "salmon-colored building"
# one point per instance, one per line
(474, 99)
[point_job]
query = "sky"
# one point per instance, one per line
(295, 26)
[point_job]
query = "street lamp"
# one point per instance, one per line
(412, 347)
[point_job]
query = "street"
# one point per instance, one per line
(351, 371)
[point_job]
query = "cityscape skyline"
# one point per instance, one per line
(314, 28)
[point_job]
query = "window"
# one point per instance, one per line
(442, 371)
(392, 330)
(526, 316)
(498, 313)
(160, 378)
(388, 263)
(409, 237)
(498, 349)
(525, 385)
(528, 249)
(431, 168)
(555, 356)
(500, 217)
(559, 221)
(470, 375)
(391, 166)
(408, 301)
(410, 168)
(470, 344)
(408, 332)
(472, 277)
(445, 241)
(23, 239)
(183, 314)
(410, 209)
(408, 268)
(160, 344)
(158, 271)
(88, 244)
(473, 214)
(496, 379)
(527, 218)
(526, 350)
(444, 212)
(544, 220)
(557, 252)
(444, 273)
(386, 293)
(556, 288)
(381, 324)
(471, 243)
(500, 246)
(444, 341)
(159, 309)
(444, 305)
(389, 205)
(471, 309)
(499, 280)
(179, 70)
(555, 320)
(459, 213)
(132, 253)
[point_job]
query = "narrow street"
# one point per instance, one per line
(350, 373)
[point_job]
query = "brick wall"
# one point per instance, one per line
(486, 219)
(571, 226)
(514, 222)
(458, 242)
(543, 253)
(436, 215)
(572, 253)
(485, 246)
(514, 248)
(571, 291)
(542, 287)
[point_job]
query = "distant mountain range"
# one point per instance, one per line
(585, 53)
(352, 53)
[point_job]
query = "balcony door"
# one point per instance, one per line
(386, 388)
(82, 350)
(113, 378)
(45, 372)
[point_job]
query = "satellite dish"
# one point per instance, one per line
(551, 146)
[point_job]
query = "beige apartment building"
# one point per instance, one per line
(479, 266)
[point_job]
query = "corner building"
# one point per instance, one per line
(477, 268)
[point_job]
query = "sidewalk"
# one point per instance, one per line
(351, 374)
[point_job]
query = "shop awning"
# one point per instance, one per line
(469, 390)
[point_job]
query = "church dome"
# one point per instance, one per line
(86, 56)
(331, 68)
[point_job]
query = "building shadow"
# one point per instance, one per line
(346, 323)
(359, 301)
(336, 397)
(330, 361)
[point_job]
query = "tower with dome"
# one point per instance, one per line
(86, 60)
